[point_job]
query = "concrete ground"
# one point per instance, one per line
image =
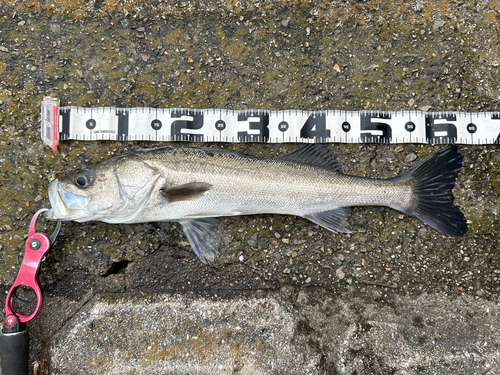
(283, 294)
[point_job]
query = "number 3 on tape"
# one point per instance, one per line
(224, 125)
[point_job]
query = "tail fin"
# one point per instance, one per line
(434, 179)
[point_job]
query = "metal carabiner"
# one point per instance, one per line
(37, 246)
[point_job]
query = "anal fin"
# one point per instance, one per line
(204, 236)
(334, 220)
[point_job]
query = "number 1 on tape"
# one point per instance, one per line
(224, 125)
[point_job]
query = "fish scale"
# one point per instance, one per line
(294, 184)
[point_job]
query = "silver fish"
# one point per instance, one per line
(195, 185)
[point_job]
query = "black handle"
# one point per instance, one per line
(14, 352)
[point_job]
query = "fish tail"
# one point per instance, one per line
(433, 181)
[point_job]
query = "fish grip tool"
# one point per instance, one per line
(14, 338)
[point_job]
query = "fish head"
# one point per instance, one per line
(113, 191)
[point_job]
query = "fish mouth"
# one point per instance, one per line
(65, 205)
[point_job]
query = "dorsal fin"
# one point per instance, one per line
(314, 154)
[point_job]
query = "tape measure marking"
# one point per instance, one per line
(224, 125)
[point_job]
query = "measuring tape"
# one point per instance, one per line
(224, 125)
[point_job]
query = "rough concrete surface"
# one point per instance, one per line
(187, 335)
(392, 297)
(304, 332)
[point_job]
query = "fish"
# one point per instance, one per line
(195, 185)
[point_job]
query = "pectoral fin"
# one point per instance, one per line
(189, 191)
(204, 236)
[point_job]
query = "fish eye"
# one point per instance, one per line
(83, 179)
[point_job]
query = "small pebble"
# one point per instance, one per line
(410, 157)
(424, 108)
(340, 273)
(437, 24)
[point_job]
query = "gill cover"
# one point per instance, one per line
(116, 191)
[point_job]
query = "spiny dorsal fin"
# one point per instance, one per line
(189, 191)
(314, 154)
